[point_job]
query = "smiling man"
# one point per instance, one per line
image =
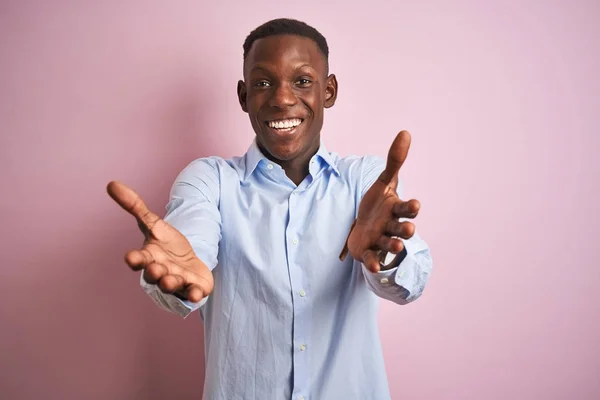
(259, 243)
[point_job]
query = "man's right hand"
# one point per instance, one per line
(166, 257)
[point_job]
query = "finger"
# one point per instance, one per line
(389, 244)
(178, 278)
(154, 272)
(131, 202)
(194, 293)
(396, 156)
(171, 283)
(371, 261)
(406, 209)
(139, 259)
(404, 229)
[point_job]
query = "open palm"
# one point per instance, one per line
(377, 228)
(166, 256)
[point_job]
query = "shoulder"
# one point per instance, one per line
(204, 169)
(360, 167)
(204, 178)
(211, 169)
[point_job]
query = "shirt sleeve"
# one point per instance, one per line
(406, 282)
(193, 209)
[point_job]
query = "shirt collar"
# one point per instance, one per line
(254, 156)
(328, 158)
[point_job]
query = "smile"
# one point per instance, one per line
(285, 125)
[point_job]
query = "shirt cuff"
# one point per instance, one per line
(403, 275)
(382, 278)
(406, 272)
(183, 308)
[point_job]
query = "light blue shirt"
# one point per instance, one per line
(287, 319)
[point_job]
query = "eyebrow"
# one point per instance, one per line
(260, 67)
(304, 66)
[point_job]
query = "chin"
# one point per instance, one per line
(282, 152)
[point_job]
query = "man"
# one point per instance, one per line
(254, 242)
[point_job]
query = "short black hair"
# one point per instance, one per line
(287, 26)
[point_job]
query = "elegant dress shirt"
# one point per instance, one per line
(287, 319)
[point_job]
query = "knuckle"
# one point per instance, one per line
(151, 274)
(156, 253)
(147, 254)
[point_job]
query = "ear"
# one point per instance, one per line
(331, 91)
(242, 95)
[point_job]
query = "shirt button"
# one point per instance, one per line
(270, 166)
(301, 398)
(302, 293)
(302, 347)
(401, 274)
(295, 241)
(384, 280)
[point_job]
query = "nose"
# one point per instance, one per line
(282, 97)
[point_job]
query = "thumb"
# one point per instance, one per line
(396, 156)
(131, 202)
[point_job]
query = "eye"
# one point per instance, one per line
(262, 84)
(303, 82)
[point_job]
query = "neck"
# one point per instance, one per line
(296, 168)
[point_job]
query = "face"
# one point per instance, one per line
(285, 91)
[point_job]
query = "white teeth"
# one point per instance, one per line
(285, 124)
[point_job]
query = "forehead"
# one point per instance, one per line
(284, 51)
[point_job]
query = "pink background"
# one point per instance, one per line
(503, 103)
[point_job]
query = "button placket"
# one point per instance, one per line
(302, 320)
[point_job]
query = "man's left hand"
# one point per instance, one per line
(377, 228)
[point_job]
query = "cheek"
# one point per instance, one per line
(313, 102)
(255, 101)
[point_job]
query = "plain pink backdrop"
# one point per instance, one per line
(502, 99)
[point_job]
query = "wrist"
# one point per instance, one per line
(389, 260)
